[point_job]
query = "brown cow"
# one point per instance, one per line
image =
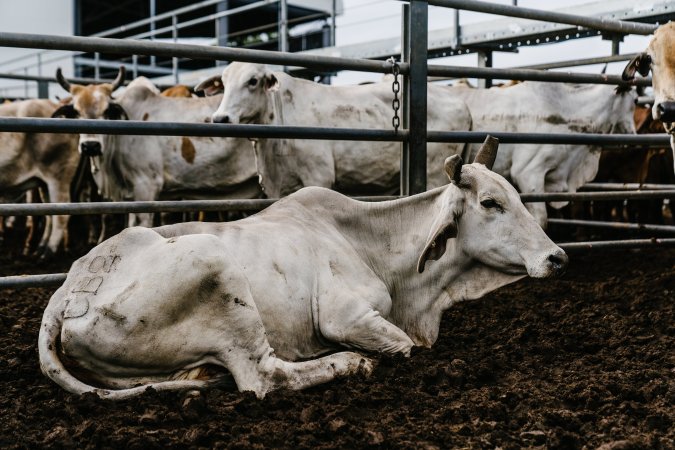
(179, 90)
(659, 58)
(29, 160)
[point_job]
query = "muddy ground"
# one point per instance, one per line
(579, 362)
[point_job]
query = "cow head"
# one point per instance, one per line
(93, 101)
(659, 58)
(490, 222)
(246, 92)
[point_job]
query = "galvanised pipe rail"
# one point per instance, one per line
(625, 186)
(43, 209)
(26, 281)
(47, 209)
(616, 26)
(532, 75)
(153, 48)
(551, 138)
(614, 225)
(325, 63)
(57, 279)
(137, 127)
(578, 247)
(609, 195)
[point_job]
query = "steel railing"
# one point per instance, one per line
(415, 69)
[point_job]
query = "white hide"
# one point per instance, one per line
(286, 165)
(533, 107)
(172, 167)
(277, 298)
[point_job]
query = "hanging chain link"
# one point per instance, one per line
(396, 88)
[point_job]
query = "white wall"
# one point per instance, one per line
(38, 17)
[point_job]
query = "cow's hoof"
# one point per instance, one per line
(194, 406)
(47, 255)
(366, 366)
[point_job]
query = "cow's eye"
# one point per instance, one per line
(253, 82)
(490, 203)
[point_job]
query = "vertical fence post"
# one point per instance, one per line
(174, 35)
(43, 89)
(417, 103)
(97, 66)
(405, 119)
(484, 60)
(283, 26)
(153, 13)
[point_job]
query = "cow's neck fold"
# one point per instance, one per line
(390, 236)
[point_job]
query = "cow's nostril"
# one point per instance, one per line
(91, 148)
(666, 111)
(559, 261)
(221, 119)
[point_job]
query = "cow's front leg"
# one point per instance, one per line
(145, 190)
(358, 325)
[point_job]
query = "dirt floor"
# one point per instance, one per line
(585, 361)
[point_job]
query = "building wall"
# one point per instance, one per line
(39, 17)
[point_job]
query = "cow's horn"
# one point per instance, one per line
(62, 80)
(488, 152)
(120, 78)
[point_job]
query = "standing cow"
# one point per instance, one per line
(254, 94)
(158, 167)
(47, 161)
(277, 298)
(532, 107)
(659, 58)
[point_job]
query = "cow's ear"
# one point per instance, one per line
(271, 83)
(211, 86)
(443, 228)
(115, 111)
(65, 112)
(453, 168)
(641, 63)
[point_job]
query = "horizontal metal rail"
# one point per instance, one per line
(532, 75)
(26, 281)
(42, 209)
(579, 247)
(616, 26)
(625, 186)
(582, 196)
(57, 279)
(614, 225)
(136, 127)
(192, 51)
(130, 46)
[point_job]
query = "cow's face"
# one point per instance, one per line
(660, 60)
(491, 224)
(92, 101)
(246, 92)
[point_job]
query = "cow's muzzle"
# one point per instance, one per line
(558, 262)
(665, 111)
(221, 118)
(91, 148)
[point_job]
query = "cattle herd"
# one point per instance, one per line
(301, 286)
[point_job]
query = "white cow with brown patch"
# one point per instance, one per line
(47, 161)
(255, 94)
(659, 58)
(533, 107)
(159, 167)
(280, 299)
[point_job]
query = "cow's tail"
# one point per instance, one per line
(53, 367)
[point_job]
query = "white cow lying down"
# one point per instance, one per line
(265, 297)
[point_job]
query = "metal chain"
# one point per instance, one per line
(396, 88)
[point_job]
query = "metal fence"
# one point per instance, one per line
(414, 135)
